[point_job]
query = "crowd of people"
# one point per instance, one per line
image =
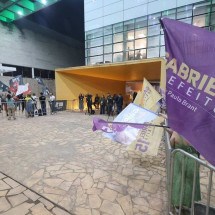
(30, 103)
(110, 104)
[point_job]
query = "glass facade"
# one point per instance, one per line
(142, 37)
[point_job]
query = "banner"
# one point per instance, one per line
(3, 87)
(15, 82)
(139, 99)
(148, 139)
(23, 89)
(190, 84)
(150, 95)
(60, 105)
(131, 114)
(45, 90)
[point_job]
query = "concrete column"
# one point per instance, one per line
(32, 72)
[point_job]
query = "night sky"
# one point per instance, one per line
(65, 17)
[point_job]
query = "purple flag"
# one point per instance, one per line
(190, 84)
(110, 127)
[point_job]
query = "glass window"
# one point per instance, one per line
(213, 7)
(162, 51)
(140, 33)
(141, 43)
(141, 22)
(96, 51)
(201, 8)
(118, 27)
(186, 20)
(94, 33)
(118, 37)
(153, 19)
(184, 12)
(153, 52)
(129, 55)
(169, 13)
(212, 18)
(140, 54)
(153, 41)
(108, 39)
(162, 40)
(95, 42)
(130, 45)
(201, 21)
(129, 35)
(108, 58)
(96, 60)
(117, 57)
(108, 30)
(129, 25)
(108, 49)
(118, 47)
(153, 30)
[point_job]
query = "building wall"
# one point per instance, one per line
(99, 13)
(28, 44)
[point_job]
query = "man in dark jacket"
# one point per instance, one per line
(119, 103)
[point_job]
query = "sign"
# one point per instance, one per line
(60, 105)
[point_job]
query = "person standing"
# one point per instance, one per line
(81, 102)
(10, 106)
(96, 101)
(109, 104)
(52, 103)
(102, 105)
(89, 103)
(42, 100)
(119, 103)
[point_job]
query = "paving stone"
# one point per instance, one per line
(111, 208)
(16, 190)
(4, 204)
(48, 204)
(31, 195)
(87, 182)
(22, 209)
(68, 176)
(2, 176)
(58, 211)
(151, 188)
(40, 209)
(140, 201)
(53, 168)
(83, 211)
(35, 178)
(99, 173)
(53, 182)
(109, 194)
(126, 204)
(4, 186)
(17, 199)
(94, 201)
(11, 182)
(95, 212)
(3, 193)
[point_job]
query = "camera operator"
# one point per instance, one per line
(89, 103)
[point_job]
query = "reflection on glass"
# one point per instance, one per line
(213, 19)
(141, 43)
(201, 8)
(140, 33)
(108, 58)
(128, 25)
(129, 55)
(184, 12)
(140, 54)
(118, 37)
(141, 22)
(129, 35)
(129, 45)
(153, 52)
(118, 47)
(94, 33)
(169, 13)
(201, 21)
(95, 42)
(117, 57)
(153, 30)
(96, 60)
(162, 40)
(153, 41)
(154, 19)
(107, 39)
(186, 20)
(162, 51)
(108, 30)
(108, 49)
(118, 27)
(96, 51)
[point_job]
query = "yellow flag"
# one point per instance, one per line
(139, 99)
(150, 95)
(148, 139)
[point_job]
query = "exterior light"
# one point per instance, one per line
(20, 13)
(44, 1)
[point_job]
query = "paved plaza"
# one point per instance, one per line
(64, 161)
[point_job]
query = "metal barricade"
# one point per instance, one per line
(202, 207)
